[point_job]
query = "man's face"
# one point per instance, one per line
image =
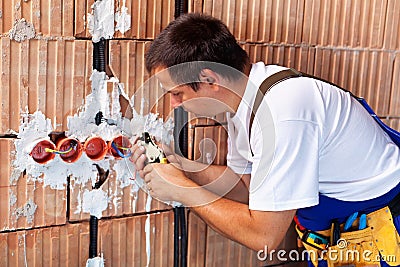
(201, 102)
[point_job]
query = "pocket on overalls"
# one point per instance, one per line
(355, 248)
(385, 235)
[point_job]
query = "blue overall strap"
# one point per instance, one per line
(393, 134)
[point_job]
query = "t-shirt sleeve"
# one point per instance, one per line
(235, 161)
(290, 180)
(286, 155)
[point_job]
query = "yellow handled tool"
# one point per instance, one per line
(153, 152)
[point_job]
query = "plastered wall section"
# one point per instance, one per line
(54, 76)
(51, 72)
(148, 17)
(25, 203)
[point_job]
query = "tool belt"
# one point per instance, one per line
(379, 240)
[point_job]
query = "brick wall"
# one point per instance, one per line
(354, 43)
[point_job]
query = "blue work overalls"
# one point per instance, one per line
(318, 218)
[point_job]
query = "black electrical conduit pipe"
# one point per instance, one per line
(99, 55)
(99, 64)
(181, 144)
(180, 228)
(181, 147)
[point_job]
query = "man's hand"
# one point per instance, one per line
(171, 156)
(217, 179)
(138, 157)
(165, 182)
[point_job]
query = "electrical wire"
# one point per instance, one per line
(118, 149)
(55, 151)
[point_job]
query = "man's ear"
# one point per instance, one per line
(208, 76)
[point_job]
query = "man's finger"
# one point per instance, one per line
(141, 174)
(167, 149)
(148, 186)
(136, 140)
(146, 171)
(138, 157)
(147, 177)
(141, 162)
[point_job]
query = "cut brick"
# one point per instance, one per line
(122, 201)
(49, 18)
(38, 75)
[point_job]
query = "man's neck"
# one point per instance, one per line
(240, 88)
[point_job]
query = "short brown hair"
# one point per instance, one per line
(196, 39)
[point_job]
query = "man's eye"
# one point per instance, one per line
(175, 93)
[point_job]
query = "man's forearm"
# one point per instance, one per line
(218, 179)
(234, 220)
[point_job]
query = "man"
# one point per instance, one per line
(313, 149)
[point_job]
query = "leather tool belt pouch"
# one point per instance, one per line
(366, 247)
(355, 248)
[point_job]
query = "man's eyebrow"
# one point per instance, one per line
(172, 88)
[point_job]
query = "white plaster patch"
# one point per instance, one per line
(28, 211)
(22, 30)
(95, 262)
(33, 129)
(124, 176)
(95, 202)
(22, 243)
(147, 229)
(13, 198)
(79, 205)
(116, 201)
(123, 19)
(160, 130)
(82, 125)
(101, 20)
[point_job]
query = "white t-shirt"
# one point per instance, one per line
(308, 137)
